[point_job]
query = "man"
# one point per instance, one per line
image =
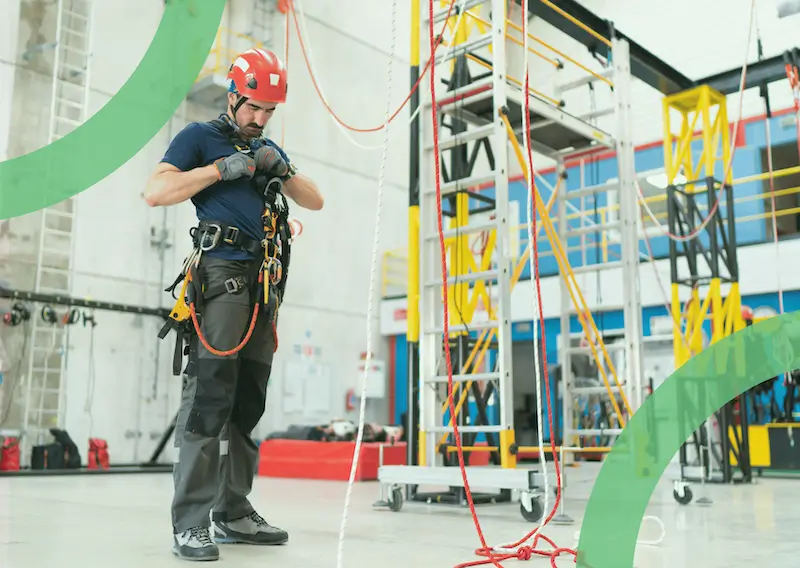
(222, 166)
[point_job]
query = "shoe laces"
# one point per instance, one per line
(258, 519)
(201, 534)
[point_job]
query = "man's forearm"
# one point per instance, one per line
(303, 191)
(171, 187)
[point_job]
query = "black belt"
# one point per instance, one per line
(209, 235)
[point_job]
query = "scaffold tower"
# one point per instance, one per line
(704, 269)
(480, 117)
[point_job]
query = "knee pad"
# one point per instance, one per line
(213, 399)
(251, 395)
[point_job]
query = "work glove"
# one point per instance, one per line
(236, 166)
(269, 160)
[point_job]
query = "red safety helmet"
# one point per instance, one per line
(747, 313)
(258, 74)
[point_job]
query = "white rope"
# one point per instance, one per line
(309, 52)
(376, 241)
(534, 283)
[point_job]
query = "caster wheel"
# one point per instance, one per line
(396, 499)
(536, 512)
(685, 498)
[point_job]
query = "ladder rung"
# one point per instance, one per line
(464, 278)
(61, 271)
(76, 33)
(594, 311)
(465, 378)
(76, 84)
(594, 390)
(58, 232)
(38, 389)
(597, 432)
(74, 68)
(449, 52)
(583, 80)
(463, 184)
(58, 212)
(72, 14)
(67, 102)
(600, 266)
(70, 121)
(588, 229)
(474, 326)
(56, 252)
(466, 230)
(81, 52)
(440, 15)
(464, 137)
(455, 101)
(592, 190)
(465, 429)
(588, 350)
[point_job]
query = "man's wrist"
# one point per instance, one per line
(290, 174)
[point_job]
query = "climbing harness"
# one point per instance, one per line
(266, 288)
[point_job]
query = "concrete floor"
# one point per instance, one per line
(123, 521)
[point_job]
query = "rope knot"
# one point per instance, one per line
(525, 553)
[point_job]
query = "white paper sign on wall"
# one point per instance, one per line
(376, 378)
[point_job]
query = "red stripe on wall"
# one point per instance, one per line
(603, 154)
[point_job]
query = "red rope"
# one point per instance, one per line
(434, 113)
(524, 552)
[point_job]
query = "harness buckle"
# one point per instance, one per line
(213, 235)
(233, 234)
(233, 285)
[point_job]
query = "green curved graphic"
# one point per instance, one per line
(126, 123)
(666, 419)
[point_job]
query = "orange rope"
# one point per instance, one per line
(402, 105)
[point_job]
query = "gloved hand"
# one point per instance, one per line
(235, 166)
(269, 160)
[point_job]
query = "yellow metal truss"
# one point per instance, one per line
(702, 117)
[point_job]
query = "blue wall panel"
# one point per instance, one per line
(523, 332)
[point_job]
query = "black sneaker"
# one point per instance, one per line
(195, 544)
(251, 529)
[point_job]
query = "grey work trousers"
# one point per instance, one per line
(223, 399)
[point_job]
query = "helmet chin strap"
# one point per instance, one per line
(234, 110)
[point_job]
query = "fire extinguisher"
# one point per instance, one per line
(350, 400)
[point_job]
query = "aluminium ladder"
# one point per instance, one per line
(45, 401)
(624, 357)
(555, 133)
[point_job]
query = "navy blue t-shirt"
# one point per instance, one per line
(234, 202)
